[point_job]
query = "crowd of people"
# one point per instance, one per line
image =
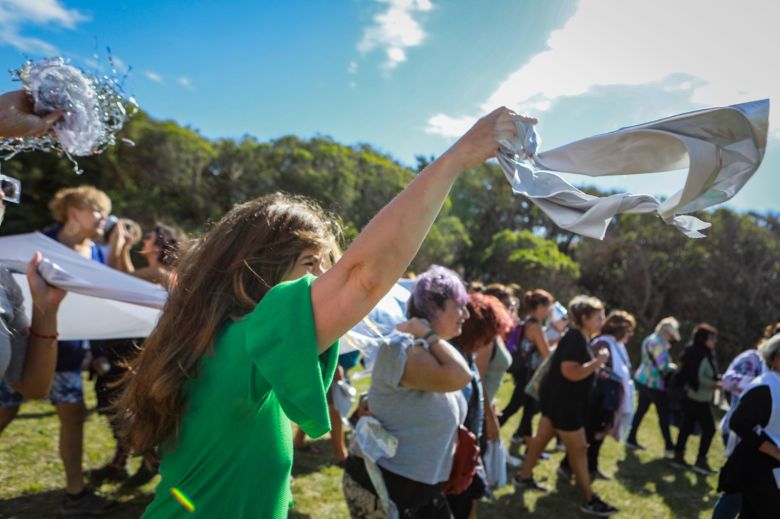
(245, 347)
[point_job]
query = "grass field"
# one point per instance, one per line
(644, 485)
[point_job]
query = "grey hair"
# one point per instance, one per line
(769, 349)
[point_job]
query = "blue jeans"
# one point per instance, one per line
(728, 506)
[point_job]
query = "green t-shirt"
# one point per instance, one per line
(233, 456)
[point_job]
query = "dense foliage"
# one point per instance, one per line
(173, 174)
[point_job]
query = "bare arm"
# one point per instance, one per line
(535, 334)
(442, 369)
(41, 354)
(382, 252)
(575, 371)
(482, 359)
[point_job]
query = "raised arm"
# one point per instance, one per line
(41, 353)
(381, 253)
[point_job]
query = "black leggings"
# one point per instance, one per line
(658, 397)
(694, 412)
(520, 399)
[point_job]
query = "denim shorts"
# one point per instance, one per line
(67, 388)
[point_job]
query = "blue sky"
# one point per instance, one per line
(409, 75)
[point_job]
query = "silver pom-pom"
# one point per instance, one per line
(94, 109)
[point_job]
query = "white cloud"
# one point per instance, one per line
(729, 49)
(153, 76)
(185, 82)
(15, 14)
(395, 29)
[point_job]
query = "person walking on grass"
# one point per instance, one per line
(651, 381)
(563, 398)
(246, 341)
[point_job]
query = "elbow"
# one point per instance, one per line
(32, 392)
(459, 379)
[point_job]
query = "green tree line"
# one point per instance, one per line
(175, 175)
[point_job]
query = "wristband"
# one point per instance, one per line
(428, 338)
(39, 336)
(420, 342)
(428, 335)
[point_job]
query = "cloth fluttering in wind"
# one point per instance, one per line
(721, 147)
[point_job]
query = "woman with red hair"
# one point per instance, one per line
(488, 320)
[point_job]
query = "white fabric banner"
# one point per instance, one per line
(720, 147)
(102, 303)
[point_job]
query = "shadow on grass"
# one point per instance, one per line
(47, 504)
(562, 501)
(673, 485)
(31, 416)
(314, 458)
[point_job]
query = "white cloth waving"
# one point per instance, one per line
(721, 147)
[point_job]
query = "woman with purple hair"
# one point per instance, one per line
(415, 395)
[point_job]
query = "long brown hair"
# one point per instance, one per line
(222, 277)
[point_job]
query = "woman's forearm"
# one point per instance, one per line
(40, 356)
(392, 238)
(575, 371)
(770, 449)
(378, 257)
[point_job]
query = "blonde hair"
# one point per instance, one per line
(82, 197)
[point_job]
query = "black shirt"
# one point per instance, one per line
(564, 401)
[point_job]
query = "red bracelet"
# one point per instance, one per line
(39, 336)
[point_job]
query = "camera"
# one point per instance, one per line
(12, 189)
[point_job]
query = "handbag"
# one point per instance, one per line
(464, 463)
(532, 388)
(495, 463)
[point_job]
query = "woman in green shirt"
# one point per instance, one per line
(244, 344)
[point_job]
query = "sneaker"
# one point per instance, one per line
(634, 445)
(528, 484)
(702, 467)
(542, 456)
(565, 472)
(516, 439)
(598, 507)
(679, 461)
(597, 474)
(108, 472)
(143, 476)
(86, 503)
(669, 454)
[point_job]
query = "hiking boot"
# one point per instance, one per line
(702, 467)
(565, 472)
(679, 461)
(528, 484)
(108, 472)
(598, 507)
(86, 503)
(143, 476)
